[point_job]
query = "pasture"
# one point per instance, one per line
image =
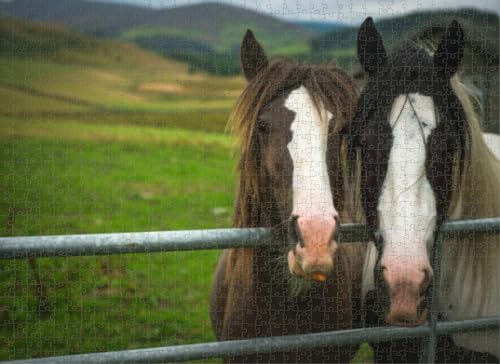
(69, 177)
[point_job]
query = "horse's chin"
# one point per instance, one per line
(296, 270)
(299, 283)
(418, 320)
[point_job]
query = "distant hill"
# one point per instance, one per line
(83, 16)
(22, 38)
(205, 35)
(46, 69)
(218, 26)
(396, 29)
(51, 42)
(321, 26)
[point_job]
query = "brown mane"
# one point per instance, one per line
(327, 85)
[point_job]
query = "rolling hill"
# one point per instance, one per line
(321, 26)
(396, 29)
(48, 70)
(206, 35)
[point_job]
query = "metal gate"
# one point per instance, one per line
(147, 242)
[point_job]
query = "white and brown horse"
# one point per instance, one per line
(293, 179)
(423, 161)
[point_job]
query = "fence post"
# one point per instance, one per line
(429, 350)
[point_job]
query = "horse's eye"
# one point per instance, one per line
(263, 127)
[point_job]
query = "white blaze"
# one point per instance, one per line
(407, 205)
(312, 195)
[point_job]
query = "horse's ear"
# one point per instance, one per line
(253, 57)
(371, 51)
(450, 50)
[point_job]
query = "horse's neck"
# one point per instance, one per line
(469, 286)
(478, 193)
(477, 197)
(470, 269)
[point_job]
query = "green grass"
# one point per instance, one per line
(65, 177)
(15, 101)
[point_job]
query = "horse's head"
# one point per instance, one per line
(288, 119)
(409, 126)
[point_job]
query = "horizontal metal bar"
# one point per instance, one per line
(268, 344)
(163, 241)
(474, 226)
(121, 243)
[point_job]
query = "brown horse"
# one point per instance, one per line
(293, 178)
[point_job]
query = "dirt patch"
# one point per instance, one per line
(163, 88)
(147, 191)
(108, 76)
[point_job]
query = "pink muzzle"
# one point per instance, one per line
(313, 256)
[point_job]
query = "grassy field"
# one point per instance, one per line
(68, 177)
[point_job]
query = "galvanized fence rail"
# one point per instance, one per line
(265, 345)
(148, 242)
(165, 241)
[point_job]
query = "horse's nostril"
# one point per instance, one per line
(428, 273)
(336, 234)
(294, 233)
(299, 236)
(336, 228)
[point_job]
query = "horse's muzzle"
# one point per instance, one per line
(407, 283)
(313, 247)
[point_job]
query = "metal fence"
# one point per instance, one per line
(148, 242)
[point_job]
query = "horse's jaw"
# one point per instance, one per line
(298, 287)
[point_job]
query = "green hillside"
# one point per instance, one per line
(480, 25)
(59, 71)
(321, 26)
(205, 35)
(220, 26)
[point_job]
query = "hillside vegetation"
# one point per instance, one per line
(480, 26)
(206, 35)
(47, 69)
